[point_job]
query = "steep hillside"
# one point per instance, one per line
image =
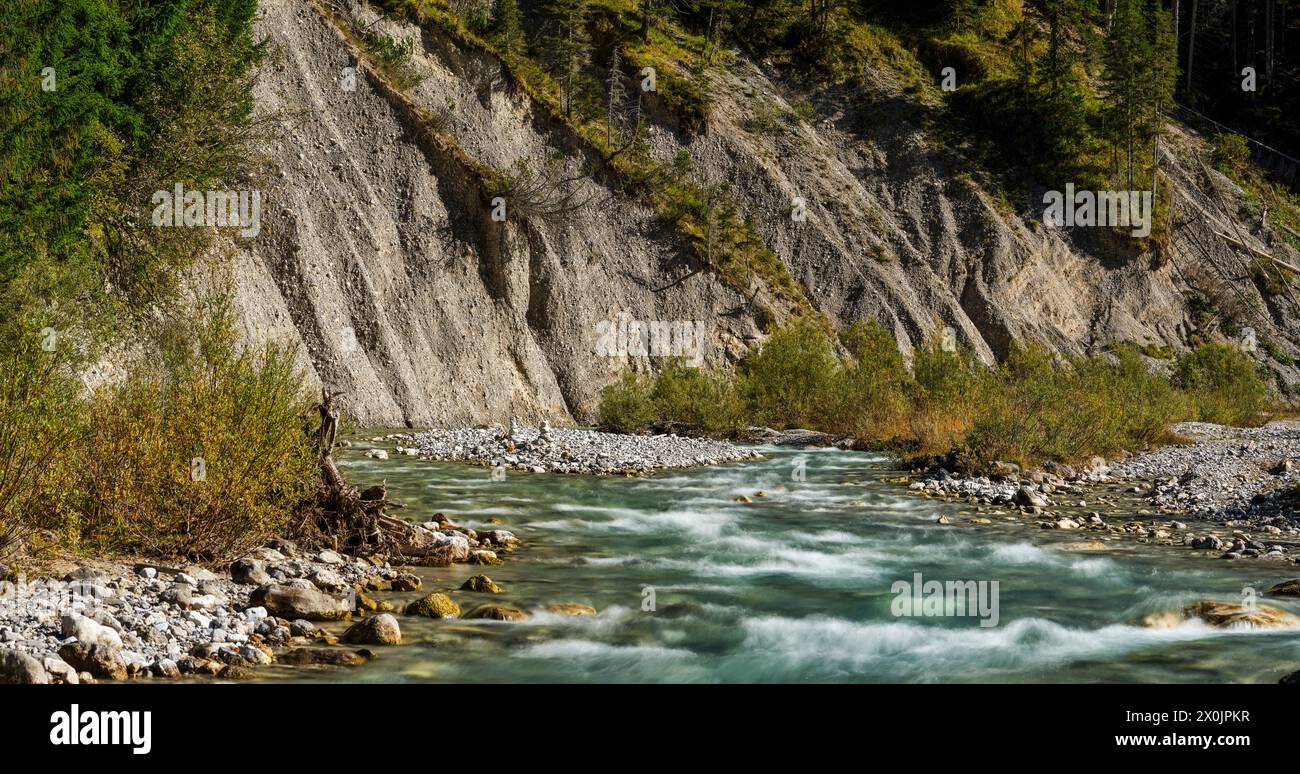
(379, 258)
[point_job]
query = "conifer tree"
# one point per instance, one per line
(1127, 57)
(509, 26)
(568, 46)
(617, 94)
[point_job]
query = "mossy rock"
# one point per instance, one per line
(481, 583)
(496, 613)
(406, 582)
(236, 672)
(434, 606)
(482, 556)
(1289, 588)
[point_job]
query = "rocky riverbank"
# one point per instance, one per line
(111, 621)
(545, 449)
(1228, 492)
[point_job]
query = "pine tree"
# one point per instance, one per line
(1127, 54)
(1059, 91)
(509, 26)
(616, 95)
(1158, 88)
(719, 22)
(568, 46)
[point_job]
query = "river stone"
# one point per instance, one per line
(1004, 469)
(285, 601)
(89, 631)
(379, 629)
(481, 583)
(326, 656)
(497, 537)
(249, 571)
(60, 671)
(458, 545)
(483, 556)
(99, 660)
(496, 613)
(1289, 588)
(1084, 545)
(21, 669)
(327, 580)
(434, 606)
(267, 554)
(571, 608)
(407, 582)
(236, 672)
(198, 573)
(85, 574)
(1225, 615)
(1029, 498)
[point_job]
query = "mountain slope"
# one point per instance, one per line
(379, 259)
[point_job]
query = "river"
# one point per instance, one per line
(692, 586)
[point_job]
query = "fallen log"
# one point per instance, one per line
(1237, 243)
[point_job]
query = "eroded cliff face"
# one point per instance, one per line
(899, 231)
(379, 260)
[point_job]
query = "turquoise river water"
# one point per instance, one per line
(692, 586)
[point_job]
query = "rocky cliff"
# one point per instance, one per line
(380, 260)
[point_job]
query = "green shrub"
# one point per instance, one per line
(139, 487)
(1070, 410)
(793, 380)
(947, 389)
(697, 398)
(39, 420)
(873, 385)
(1223, 384)
(627, 406)
(1230, 152)
(1032, 408)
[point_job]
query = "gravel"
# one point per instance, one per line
(147, 619)
(566, 450)
(1232, 491)
(1226, 473)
